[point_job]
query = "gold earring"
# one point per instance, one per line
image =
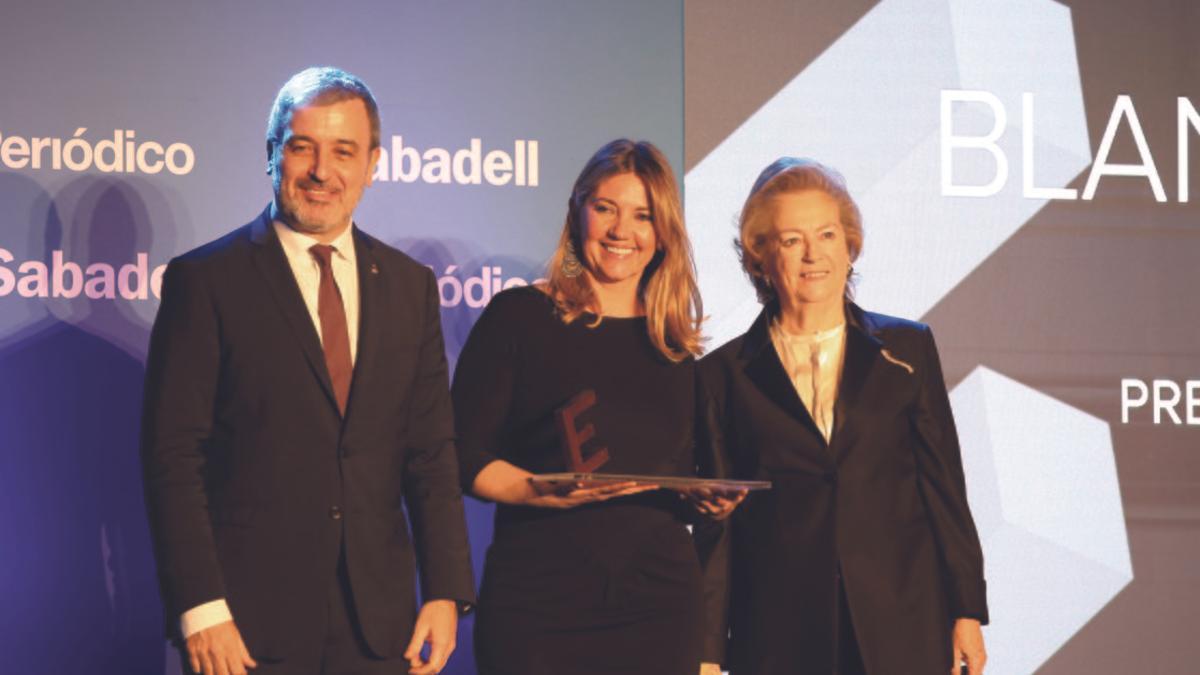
(571, 267)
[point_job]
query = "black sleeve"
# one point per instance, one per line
(712, 538)
(182, 373)
(483, 387)
(431, 492)
(944, 487)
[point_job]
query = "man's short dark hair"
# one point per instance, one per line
(319, 86)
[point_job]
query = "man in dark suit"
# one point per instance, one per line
(296, 404)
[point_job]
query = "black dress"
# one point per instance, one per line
(612, 587)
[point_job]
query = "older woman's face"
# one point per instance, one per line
(807, 258)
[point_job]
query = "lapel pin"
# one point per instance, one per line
(892, 359)
(374, 268)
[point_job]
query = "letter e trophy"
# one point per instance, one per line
(573, 437)
(581, 471)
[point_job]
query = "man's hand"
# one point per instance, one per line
(710, 669)
(968, 647)
(437, 625)
(219, 650)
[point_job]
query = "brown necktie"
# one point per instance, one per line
(335, 338)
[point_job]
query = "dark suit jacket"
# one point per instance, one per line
(253, 479)
(883, 505)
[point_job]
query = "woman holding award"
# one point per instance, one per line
(590, 579)
(864, 557)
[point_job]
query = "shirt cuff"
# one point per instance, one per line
(204, 616)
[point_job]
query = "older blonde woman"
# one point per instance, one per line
(864, 557)
(592, 580)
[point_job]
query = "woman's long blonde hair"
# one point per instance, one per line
(668, 288)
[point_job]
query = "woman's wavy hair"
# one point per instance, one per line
(668, 287)
(787, 175)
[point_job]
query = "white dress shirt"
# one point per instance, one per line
(308, 277)
(814, 365)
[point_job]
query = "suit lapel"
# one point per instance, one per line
(766, 371)
(858, 361)
(272, 264)
(372, 294)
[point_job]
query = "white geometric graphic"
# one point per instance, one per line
(1043, 489)
(869, 106)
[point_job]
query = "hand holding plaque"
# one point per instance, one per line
(717, 504)
(581, 484)
(569, 494)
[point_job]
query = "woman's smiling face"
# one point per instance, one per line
(617, 232)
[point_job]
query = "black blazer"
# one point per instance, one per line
(883, 504)
(253, 479)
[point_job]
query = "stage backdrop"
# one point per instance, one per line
(1025, 169)
(133, 131)
(1027, 173)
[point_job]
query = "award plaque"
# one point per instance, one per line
(581, 469)
(693, 486)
